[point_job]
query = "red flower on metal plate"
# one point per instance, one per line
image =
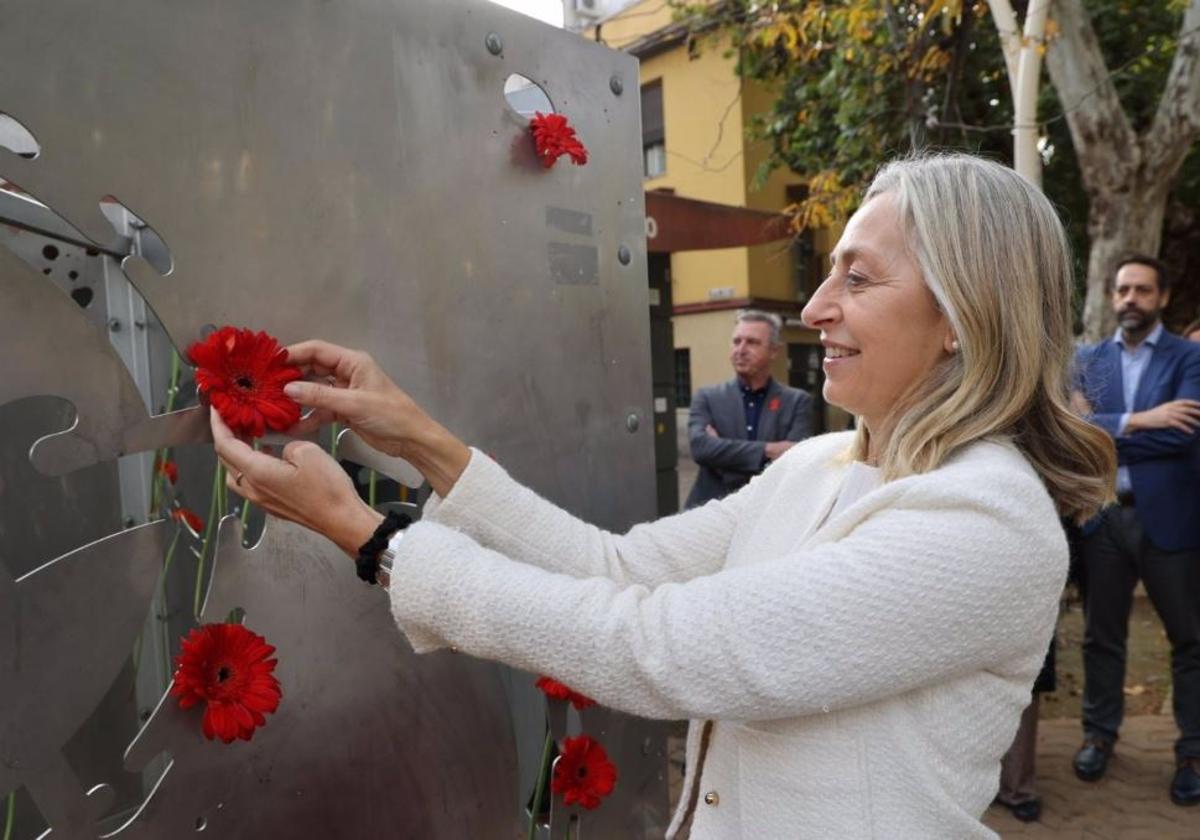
(554, 137)
(188, 518)
(229, 669)
(583, 774)
(242, 373)
(555, 690)
(170, 469)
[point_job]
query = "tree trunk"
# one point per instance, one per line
(1023, 61)
(1127, 176)
(1121, 221)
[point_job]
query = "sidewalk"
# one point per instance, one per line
(1129, 803)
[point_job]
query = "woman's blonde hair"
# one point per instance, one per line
(996, 258)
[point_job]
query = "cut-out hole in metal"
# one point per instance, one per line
(526, 97)
(83, 296)
(17, 138)
(141, 239)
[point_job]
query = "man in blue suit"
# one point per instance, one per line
(1142, 386)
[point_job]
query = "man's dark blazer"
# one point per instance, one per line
(729, 461)
(1164, 464)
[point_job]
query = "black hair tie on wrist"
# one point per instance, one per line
(367, 561)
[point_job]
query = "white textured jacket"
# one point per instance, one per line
(864, 674)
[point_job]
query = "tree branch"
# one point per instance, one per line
(1177, 121)
(1010, 38)
(1025, 154)
(1100, 131)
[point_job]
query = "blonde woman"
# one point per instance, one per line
(855, 633)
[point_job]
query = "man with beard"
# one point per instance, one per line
(1142, 386)
(736, 428)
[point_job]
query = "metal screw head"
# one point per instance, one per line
(114, 325)
(632, 422)
(623, 255)
(494, 44)
(616, 85)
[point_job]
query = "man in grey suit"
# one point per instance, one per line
(736, 428)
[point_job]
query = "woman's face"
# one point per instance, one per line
(879, 322)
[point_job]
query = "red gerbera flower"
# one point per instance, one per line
(170, 470)
(553, 137)
(583, 772)
(554, 689)
(228, 668)
(188, 518)
(243, 373)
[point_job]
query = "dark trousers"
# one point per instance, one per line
(1018, 768)
(1114, 557)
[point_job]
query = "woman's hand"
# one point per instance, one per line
(362, 396)
(305, 486)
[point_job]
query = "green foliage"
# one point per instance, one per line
(858, 82)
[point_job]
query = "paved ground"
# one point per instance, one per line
(1130, 803)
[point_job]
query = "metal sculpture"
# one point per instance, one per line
(350, 171)
(66, 628)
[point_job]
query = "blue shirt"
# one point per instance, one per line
(1133, 364)
(752, 403)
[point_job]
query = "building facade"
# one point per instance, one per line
(696, 113)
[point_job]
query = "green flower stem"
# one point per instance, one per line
(372, 483)
(540, 791)
(209, 528)
(334, 430)
(246, 503)
(11, 816)
(137, 654)
(156, 480)
(166, 630)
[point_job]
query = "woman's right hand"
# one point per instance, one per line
(363, 397)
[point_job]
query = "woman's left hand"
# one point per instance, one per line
(305, 485)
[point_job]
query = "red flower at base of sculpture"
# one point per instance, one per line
(229, 669)
(170, 470)
(242, 373)
(555, 690)
(554, 137)
(583, 774)
(188, 518)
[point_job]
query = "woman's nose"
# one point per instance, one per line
(820, 309)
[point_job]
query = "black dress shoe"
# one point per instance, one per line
(1092, 759)
(1185, 787)
(1029, 811)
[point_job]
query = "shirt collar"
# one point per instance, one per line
(745, 389)
(1150, 340)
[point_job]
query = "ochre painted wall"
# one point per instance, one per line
(702, 128)
(706, 335)
(707, 111)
